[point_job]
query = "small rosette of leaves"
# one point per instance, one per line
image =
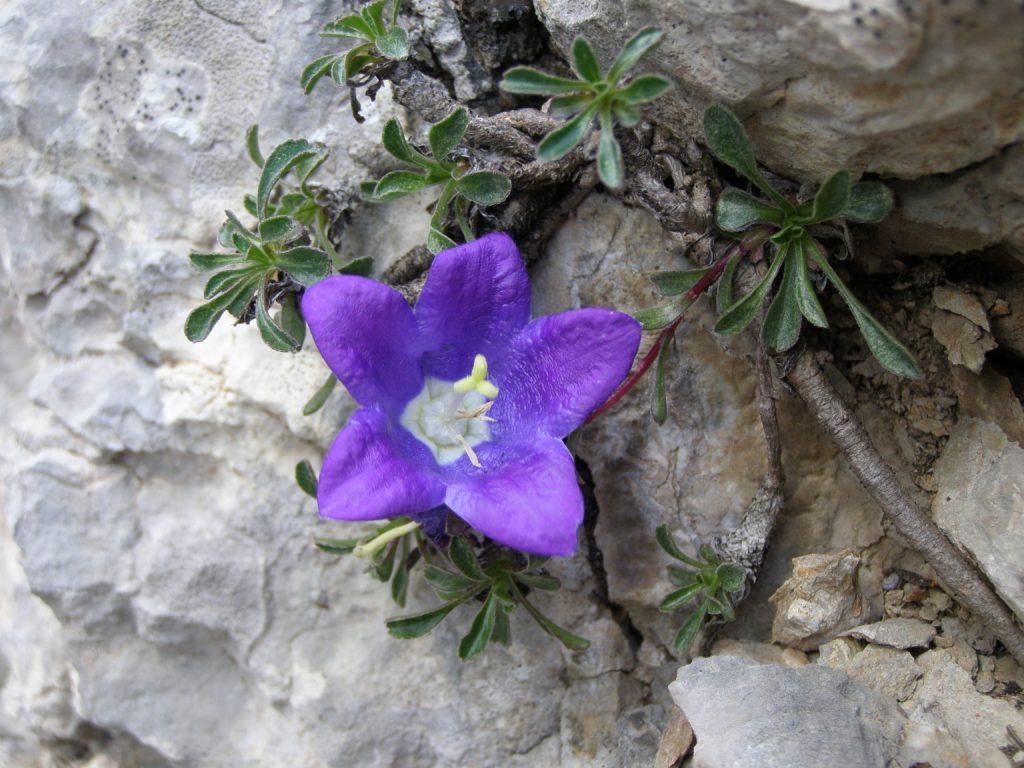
(271, 262)
(593, 96)
(460, 186)
(707, 583)
(380, 40)
(498, 583)
(796, 251)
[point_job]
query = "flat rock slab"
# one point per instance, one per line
(900, 633)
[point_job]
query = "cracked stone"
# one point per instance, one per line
(896, 633)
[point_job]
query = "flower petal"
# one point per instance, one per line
(366, 333)
(524, 496)
(476, 298)
(561, 368)
(367, 474)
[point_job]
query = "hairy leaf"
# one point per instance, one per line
(723, 297)
(686, 634)
(316, 402)
(740, 314)
(315, 71)
(675, 283)
(348, 26)
(252, 145)
(361, 266)
(461, 555)
(564, 636)
(810, 307)
(336, 546)
(728, 140)
(284, 157)
(201, 320)
(732, 577)
(628, 115)
(527, 80)
(274, 336)
(445, 136)
(484, 187)
(394, 44)
(782, 323)
(480, 630)
(206, 262)
(736, 210)
(291, 319)
(279, 229)
(833, 197)
(643, 89)
(398, 184)
(584, 60)
(448, 585)
(659, 401)
(563, 139)
(566, 106)
(667, 543)
(540, 581)
(305, 264)
(305, 477)
(609, 153)
(420, 624)
(870, 202)
(228, 278)
(680, 596)
(637, 46)
(395, 143)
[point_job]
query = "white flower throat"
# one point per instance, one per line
(451, 418)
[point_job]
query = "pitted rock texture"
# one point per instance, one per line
(901, 88)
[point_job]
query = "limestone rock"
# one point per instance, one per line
(965, 342)
(837, 653)
(980, 503)
(896, 633)
(765, 653)
(819, 600)
(1009, 327)
(989, 396)
(887, 670)
(750, 715)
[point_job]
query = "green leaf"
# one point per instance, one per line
(563, 139)
(448, 585)
(384, 562)
(228, 278)
(394, 44)
(609, 153)
(348, 26)
(273, 335)
(394, 141)
(709, 554)
(782, 323)
(462, 557)
(833, 197)
(201, 320)
(480, 630)
(680, 596)
(723, 298)
(291, 319)
(232, 230)
(361, 266)
(398, 184)
(305, 264)
(659, 403)
(284, 157)
(584, 60)
(437, 240)
(682, 577)
(336, 546)
(667, 543)
(418, 625)
(732, 576)
(445, 136)
(356, 59)
(687, 633)
(305, 476)
(740, 314)
(643, 89)
(566, 106)
(676, 283)
(727, 138)
(308, 165)
(870, 202)
(637, 46)
(656, 318)
(394, 11)
(279, 229)
(540, 581)
(252, 144)
(736, 210)
(807, 297)
(564, 636)
(373, 14)
(315, 71)
(889, 352)
(502, 629)
(316, 402)
(484, 187)
(530, 81)
(206, 262)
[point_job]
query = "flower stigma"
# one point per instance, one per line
(451, 418)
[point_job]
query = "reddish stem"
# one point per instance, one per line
(691, 295)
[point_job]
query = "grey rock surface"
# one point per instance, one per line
(896, 633)
(979, 502)
(750, 715)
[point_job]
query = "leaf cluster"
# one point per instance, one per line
(500, 585)
(708, 581)
(382, 40)
(838, 199)
(286, 250)
(459, 185)
(593, 96)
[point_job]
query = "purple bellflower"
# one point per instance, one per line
(465, 400)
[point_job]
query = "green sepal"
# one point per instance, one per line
(305, 478)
